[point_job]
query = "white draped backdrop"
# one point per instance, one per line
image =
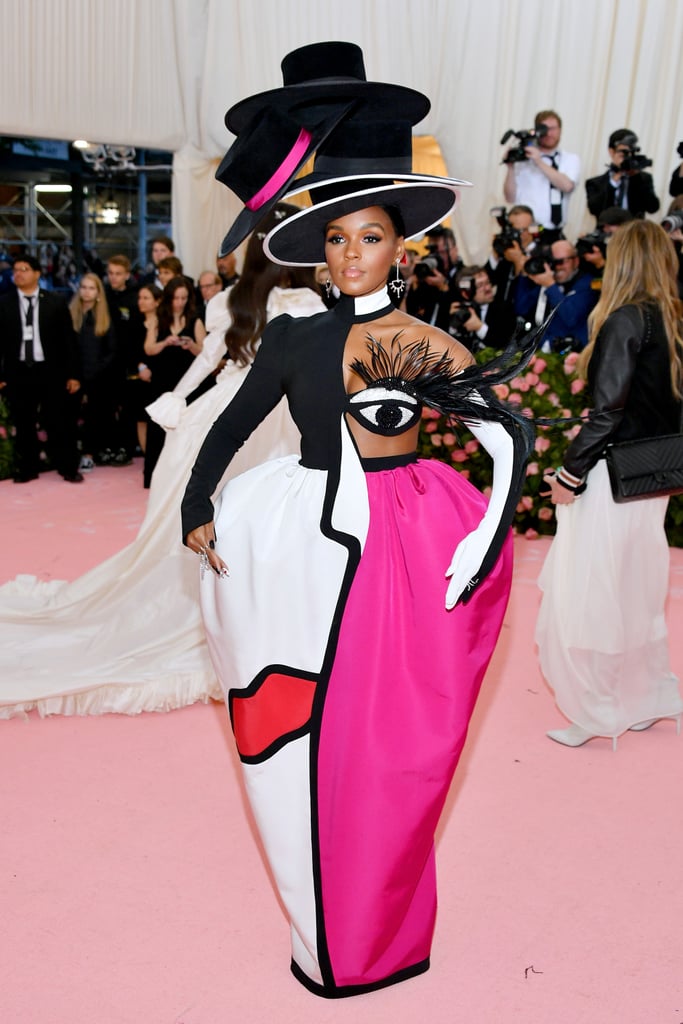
(162, 73)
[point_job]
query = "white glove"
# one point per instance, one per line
(470, 552)
(166, 410)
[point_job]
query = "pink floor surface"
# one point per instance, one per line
(131, 888)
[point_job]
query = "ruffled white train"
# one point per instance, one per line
(127, 636)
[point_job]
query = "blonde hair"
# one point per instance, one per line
(100, 310)
(641, 268)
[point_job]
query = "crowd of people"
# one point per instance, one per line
(533, 268)
(130, 344)
(83, 373)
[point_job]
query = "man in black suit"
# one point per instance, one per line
(39, 373)
(624, 183)
(129, 330)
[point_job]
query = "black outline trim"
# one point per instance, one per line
(381, 462)
(342, 991)
(249, 691)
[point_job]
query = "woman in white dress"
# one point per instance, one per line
(601, 631)
(127, 636)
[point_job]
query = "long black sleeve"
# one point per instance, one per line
(641, 194)
(261, 391)
(613, 365)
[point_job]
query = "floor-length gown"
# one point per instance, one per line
(349, 685)
(601, 632)
(127, 635)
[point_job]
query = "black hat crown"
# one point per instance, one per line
(318, 73)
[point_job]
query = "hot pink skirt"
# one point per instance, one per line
(350, 689)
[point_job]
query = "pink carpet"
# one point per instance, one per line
(131, 889)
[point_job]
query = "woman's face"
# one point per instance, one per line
(179, 301)
(87, 291)
(146, 301)
(360, 249)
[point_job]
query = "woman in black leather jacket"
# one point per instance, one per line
(601, 631)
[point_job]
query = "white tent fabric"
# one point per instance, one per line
(162, 74)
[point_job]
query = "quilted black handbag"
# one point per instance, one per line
(648, 468)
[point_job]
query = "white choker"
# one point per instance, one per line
(371, 303)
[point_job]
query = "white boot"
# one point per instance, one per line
(642, 726)
(575, 736)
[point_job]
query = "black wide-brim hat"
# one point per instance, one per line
(264, 159)
(320, 72)
(299, 241)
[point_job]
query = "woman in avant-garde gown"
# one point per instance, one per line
(601, 630)
(127, 636)
(353, 596)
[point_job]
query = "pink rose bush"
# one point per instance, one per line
(547, 389)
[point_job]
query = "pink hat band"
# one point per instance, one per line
(283, 173)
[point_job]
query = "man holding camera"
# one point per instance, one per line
(557, 283)
(432, 283)
(625, 183)
(479, 319)
(511, 246)
(546, 178)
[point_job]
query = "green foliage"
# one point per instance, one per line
(547, 389)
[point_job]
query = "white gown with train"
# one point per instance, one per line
(127, 636)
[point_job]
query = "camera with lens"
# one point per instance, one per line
(426, 267)
(673, 221)
(563, 346)
(524, 138)
(596, 239)
(505, 240)
(634, 160)
(535, 264)
(459, 317)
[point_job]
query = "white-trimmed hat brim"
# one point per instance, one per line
(300, 240)
(313, 181)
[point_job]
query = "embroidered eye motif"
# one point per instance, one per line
(384, 411)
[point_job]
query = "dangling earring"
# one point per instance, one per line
(398, 285)
(328, 287)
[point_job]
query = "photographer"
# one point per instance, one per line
(673, 225)
(514, 242)
(545, 179)
(478, 319)
(432, 283)
(592, 248)
(553, 280)
(625, 183)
